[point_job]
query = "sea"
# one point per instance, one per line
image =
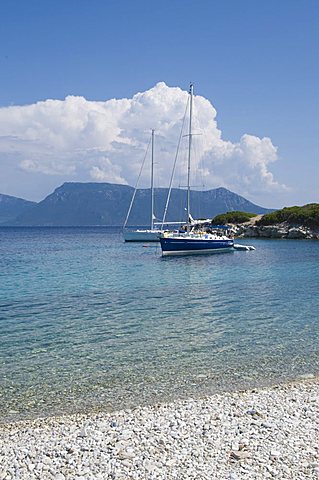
(89, 323)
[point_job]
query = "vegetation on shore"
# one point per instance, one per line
(307, 215)
(232, 217)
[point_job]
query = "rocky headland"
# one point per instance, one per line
(282, 230)
(289, 222)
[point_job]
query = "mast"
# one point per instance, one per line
(152, 183)
(191, 87)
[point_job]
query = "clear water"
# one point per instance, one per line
(88, 322)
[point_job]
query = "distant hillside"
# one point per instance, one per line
(11, 207)
(75, 204)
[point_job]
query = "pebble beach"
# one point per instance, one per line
(257, 434)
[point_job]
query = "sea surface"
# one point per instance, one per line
(88, 322)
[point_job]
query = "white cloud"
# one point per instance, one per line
(107, 172)
(106, 141)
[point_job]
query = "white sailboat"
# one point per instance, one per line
(151, 234)
(194, 240)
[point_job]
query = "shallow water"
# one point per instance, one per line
(89, 322)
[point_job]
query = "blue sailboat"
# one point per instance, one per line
(191, 243)
(195, 240)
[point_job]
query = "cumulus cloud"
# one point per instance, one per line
(106, 141)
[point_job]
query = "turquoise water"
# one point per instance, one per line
(88, 322)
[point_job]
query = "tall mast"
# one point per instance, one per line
(152, 183)
(189, 154)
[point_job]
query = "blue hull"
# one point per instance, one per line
(183, 246)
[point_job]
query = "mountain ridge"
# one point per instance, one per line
(11, 207)
(89, 204)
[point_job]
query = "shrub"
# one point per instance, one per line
(233, 217)
(308, 215)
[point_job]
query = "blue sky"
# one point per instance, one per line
(256, 62)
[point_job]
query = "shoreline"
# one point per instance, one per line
(262, 433)
(29, 417)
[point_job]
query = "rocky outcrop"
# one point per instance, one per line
(275, 231)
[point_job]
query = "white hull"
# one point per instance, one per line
(142, 235)
(196, 252)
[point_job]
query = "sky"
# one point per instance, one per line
(82, 83)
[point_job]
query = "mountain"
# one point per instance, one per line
(11, 207)
(74, 204)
